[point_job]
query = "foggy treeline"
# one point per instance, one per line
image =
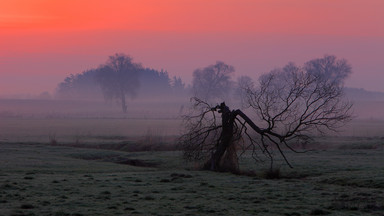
(132, 86)
(120, 84)
(152, 84)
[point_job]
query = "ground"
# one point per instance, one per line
(41, 179)
(113, 166)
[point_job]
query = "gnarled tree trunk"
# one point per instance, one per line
(226, 140)
(224, 158)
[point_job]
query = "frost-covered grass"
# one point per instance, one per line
(40, 179)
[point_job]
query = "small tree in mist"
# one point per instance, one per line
(289, 105)
(212, 82)
(329, 68)
(118, 78)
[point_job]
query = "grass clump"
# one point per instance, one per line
(27, 206)
(318, 212)
(149, 198)
(273, 173)
(28, 177)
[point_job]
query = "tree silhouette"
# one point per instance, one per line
(118, 78)
(290, 104)
(87, 85)
(154, 83)
(212, 82)
(330, 68)
(79, 86)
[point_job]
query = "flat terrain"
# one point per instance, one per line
(112, 166)
(40, 179)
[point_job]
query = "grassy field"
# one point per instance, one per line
(343, 176)
(38, 179)
(95, 130)
(85, 130)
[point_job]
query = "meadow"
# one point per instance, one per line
(96, 166)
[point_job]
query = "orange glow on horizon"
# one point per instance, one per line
(347, 17)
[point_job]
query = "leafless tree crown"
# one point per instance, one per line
(212, 82)
(119, 77)
(289, 105)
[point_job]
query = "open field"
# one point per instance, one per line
(95, 166)
(107, 130)
(85, 130)
(38, 179)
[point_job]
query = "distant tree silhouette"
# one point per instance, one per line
(290, 104)
(329, 68)
(154, 83)
(212, 82)
(118, 78)
(178, 86)
(79, 86)
(108, 81)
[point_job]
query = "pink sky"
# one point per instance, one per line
(43, 41)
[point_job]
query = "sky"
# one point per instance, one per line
(43, 41)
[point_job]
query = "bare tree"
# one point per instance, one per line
(212, 82)
(330, 68)
(118, 78)
(290, 104)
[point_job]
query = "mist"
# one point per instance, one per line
(158, 96)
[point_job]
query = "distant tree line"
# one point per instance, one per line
(118, 79)
(79, 86)
(121, 78)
